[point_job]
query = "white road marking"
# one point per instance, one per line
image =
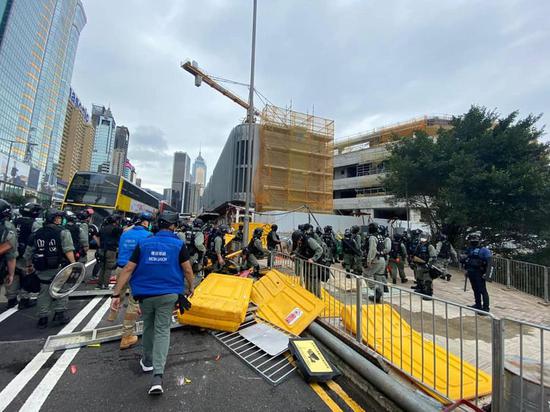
(43, 390)
(7, 313)
(17, 384)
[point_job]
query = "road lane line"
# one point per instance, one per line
(354, 406)
(17, 384)
(7, 313)
(43, 390)
(325, 397)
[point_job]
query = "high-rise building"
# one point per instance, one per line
(199, 172)
(104, 140)
(38, 42)
(129, 171)
(195, 198)
(181, 179)
(167, 195)
(78, 140)
(120, 152)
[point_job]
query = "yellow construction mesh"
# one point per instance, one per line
(295, 161)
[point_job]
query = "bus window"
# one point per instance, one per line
(93, 189)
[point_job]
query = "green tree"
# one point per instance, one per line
(487, 173)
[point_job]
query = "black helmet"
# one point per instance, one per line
(424, 237)
(373, 228)
(84, 214)
(114, 218)
(224, 229)
(355, 229)
(52, 213)
(258, 232)
(31, 210)
(167, 219)
(70, 216)
(143, 217)
(328, 229)
(318, 230)
(347, 233)
(306, 228)
(198, 223)
(474, 239)
(383, 230)
(5, 210)
(397, 237)
(416, 232)
(274, 228)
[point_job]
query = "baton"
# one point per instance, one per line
(465, 281)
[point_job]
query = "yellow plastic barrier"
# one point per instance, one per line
(228, 238)
(333, 307)
(268, 286)
(391, 331)
(292, 309)
(220, 302)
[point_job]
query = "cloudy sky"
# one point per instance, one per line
(362, 63)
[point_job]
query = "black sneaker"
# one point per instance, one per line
(12, 303)
(42, 322)
(24, 303)
(144, 367)
(404, 280)
(59, 318)
(156, 385)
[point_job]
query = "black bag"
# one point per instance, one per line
(30, 282)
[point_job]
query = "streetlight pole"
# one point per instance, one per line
(250, 129)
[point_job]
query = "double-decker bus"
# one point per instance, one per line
(107, 194)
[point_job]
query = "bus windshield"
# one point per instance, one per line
(93, 189)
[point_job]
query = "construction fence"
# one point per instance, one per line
(526, 277)
(452, 352)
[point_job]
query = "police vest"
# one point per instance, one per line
(3, 238)
(48, 253)
(24, 229)
(158, 271)
(422, 252)
(190, 236)
(109, 238)
(74, 230)
(211, 243)
(348, 245)
(328, 239)
(271, 244)
(445, 251)
(380, 246)
(252, 249)
(474, 261)
(395, 251)
(128, 242)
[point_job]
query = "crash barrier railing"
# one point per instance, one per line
(524, 276)
(445, 347)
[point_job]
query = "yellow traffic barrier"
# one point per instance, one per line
(268, 286)
(220, 302)
(402, 345)
(333, 307)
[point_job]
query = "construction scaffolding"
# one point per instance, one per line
(295, 161)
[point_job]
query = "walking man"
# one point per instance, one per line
(156, 272)
(109, 236)
(272, 242)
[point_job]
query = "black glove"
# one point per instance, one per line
(183, 304)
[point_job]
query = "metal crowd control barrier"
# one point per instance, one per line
(445, 347)
(524, 276)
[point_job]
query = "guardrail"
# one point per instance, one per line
(452, 351)
(524, 276)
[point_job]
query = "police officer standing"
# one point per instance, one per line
(255, 250)
(330, 240)
(25, 224)
(156, 273)
(79, 236)
(357, 261)
(374, 262)
(445, 254)
(351, 252)
(273, 241)
(312, 252)
(194, 241)
(237, 243)
(49, 249)
(216, 247)
(8, 250)
(397, 257)
(421, 259)
(84, 217)
(128, 242)
(109, 236)
(478, 265)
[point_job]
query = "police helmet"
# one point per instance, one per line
(307, 228)
(383, 230)
(5, 210)
(397, 237)
(318, 230)
(52, 214)
(301, 227)
(198, 223)
(114, 218)
(474, 239)
(258, 232)
(424, 237)
(70, 216)
(347, 232)
(274, 228)
(297, 235)
(373, 228)
(355, 229)
(167, 219)
(143, 217)
(84, 214)
(416, 232)
(186, 227)
(225, 229)
(328, 229)
(31, 210)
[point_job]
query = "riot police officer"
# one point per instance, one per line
(84, 217)
(422, 257)
(375, 262)
(478, 265)
(8, 249)
(357, 261)
(351, 251)
(79, 236)
(273, 241)
(445, 254)
(194, 241)
(49, 249)
(109, 236)
(397, 257)
(237, 243)
(330, 240)
(255, 250)
(25, 224)
(311, 252)
(216, 250)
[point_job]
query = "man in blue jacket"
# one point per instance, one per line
(478, 265)
(155, 271)
(128, 242)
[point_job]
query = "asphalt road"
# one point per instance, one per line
(201, 374)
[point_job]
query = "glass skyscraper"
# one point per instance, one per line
(38, 42)
(105, 127)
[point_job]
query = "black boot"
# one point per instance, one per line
(386, 289)
(42, 322)
(12, 302)
(26, 303)
(377, 296)
(59, 318)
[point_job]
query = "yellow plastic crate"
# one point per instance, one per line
(220, 302)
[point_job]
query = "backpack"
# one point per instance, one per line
(395, 251)
(47, 248)
(24, 230)
(380, 246)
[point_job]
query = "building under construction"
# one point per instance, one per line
(291, 164)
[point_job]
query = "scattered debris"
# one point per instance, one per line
(218, 357)
(94, 345)
(73, 369)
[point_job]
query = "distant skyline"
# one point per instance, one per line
(363, 64)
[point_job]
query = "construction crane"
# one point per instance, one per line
(200, 76)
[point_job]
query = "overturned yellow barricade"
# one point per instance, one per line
(220, 302)
(388, 334)
(268, 286)
(333, 307)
